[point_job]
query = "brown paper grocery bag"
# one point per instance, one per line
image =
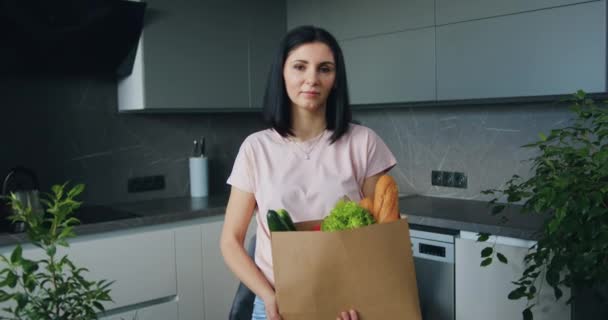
(370, 269)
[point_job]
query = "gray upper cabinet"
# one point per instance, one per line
(391, 68)
(301, 12)
(450, 11)
(200, 54)
(544, 52)
(347, 19)
(265, 32)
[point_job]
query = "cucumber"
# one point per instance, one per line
(286, 219)
(274, 222)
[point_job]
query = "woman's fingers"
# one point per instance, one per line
(350, 315)
(272, 311)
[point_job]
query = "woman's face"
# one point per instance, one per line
(310, 74)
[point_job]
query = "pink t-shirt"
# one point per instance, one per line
(307, 178)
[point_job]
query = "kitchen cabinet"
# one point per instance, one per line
(481, 292)
(390, 68)
(303, 13)
(121, 257)
(545, 52)
(171, 271)
(451, 11)
(474, 50)
(163, 311)
(189, 265)
(219, 283)
(266, 30)
(389, 54)
(347, 19)
(202, 55)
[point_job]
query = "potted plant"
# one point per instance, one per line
(52, 287)
(569, 183)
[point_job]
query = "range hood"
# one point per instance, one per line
(69, 36)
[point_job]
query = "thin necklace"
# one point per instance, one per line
(311, 148)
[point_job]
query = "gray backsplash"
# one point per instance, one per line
(68, 128)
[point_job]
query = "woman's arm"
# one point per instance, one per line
(238, 215)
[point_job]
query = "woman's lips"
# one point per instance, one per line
(310, 93)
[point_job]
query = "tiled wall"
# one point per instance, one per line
(68, 128)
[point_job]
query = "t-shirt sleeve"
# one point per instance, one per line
(242, 175)
(379, 156)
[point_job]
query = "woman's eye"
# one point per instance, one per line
(326, 69)
(298, 67)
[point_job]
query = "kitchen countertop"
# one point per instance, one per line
(470, 215)
(454, 214)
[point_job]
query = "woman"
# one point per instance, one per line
(310, 157)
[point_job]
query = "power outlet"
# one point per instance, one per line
(147, 183)
(437, 178)
(449, 179)
(460, 180)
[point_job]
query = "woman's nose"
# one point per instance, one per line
(312, 77)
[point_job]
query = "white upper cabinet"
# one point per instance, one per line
(544, 52)
(347, 19)
(450, 11)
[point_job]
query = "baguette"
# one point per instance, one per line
(386, 200)
(368, 204)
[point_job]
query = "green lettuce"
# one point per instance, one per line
(346, 215)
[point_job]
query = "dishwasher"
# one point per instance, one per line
(433, 251)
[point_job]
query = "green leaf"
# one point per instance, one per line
(29, 266)
(11, 280)
(66, 233)
(558, 292)
(51, 250)
(16, 255)
(542, 136)
(486, 262)
(58, 190)
(76, 190)
(501, 257)
(486, 252)
(517, 293)
(5, 296)
(482, 237)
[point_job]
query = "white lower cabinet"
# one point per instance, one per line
(189, 263)
(164, 272)
(142, 264)
(163, 311)
(219, 283)
(481, 292)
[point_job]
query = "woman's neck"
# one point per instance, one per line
(307, 125)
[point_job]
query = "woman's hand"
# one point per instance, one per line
(272, 309)
(348, 315)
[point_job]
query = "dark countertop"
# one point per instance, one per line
(454, 214)
(470, 215)
(149, 212)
